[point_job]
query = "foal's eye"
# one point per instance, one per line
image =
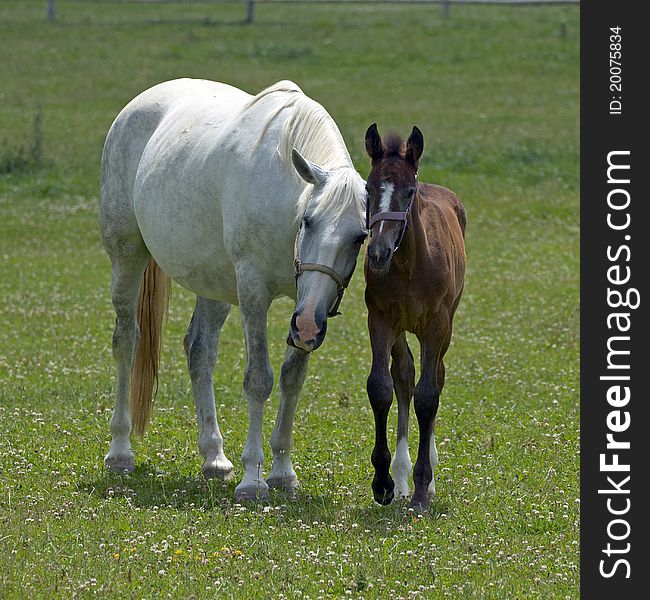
(410, 192)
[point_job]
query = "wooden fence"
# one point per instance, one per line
(250, 4)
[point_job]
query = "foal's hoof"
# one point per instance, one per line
(218, 468)
(383, 489)
(420, 503)
(120, 463)
(256, 491)
(384, 498)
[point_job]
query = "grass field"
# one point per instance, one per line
(495, 92)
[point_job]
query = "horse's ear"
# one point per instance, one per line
(374, 146)
(308, 170)
(414, 147)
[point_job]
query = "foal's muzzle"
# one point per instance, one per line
(379, 257)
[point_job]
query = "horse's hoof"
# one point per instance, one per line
(218, 469)
(288, 485)
(252, 492)
(120, 463)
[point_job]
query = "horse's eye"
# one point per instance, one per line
(307, 222)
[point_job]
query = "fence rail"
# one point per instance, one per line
(250, 4)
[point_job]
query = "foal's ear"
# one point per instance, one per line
(414, 147)
(308, 170)
(374, 146)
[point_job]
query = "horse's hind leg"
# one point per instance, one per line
(127, 266)
(201, 343)
(402, 371)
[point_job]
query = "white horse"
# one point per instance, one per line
(207, 185)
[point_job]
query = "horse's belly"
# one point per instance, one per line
(212, 284)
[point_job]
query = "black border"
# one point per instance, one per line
(601, 133)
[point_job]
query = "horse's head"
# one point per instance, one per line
(328, 242)
(392, 185)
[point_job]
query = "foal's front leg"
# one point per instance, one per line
(426, 400)
(380, 394)
(292, 378)
(254, 302)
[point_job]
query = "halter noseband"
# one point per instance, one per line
(390, 215)
(341, 283)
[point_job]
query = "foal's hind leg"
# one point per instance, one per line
(128, 268)
(402, 371)
(201, 343)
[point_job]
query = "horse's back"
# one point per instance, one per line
(185, 174)
(139, 120)
(131, 132)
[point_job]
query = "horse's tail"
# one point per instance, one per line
(153, 303)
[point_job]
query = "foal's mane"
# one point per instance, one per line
(311, 130)
(394, 145)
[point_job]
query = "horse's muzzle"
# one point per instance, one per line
(307, 339)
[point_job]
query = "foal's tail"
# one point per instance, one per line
(153, 303)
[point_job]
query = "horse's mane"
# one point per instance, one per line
(312, 131)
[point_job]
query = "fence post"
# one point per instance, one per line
(250, 10)
(50, 11)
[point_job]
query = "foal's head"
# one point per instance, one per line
(391, 189)
(331, 233)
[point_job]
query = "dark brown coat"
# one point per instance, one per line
(416, 288)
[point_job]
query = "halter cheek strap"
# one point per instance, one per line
(391, 216)
(341, 283)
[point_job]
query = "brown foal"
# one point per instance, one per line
(414, 268)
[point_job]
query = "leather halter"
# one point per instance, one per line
(341, 282)
(391, 215)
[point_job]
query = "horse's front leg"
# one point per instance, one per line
(380, 394)
(201, 343)
(292, 378)
(254, 300)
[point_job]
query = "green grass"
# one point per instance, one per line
(495, 91)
